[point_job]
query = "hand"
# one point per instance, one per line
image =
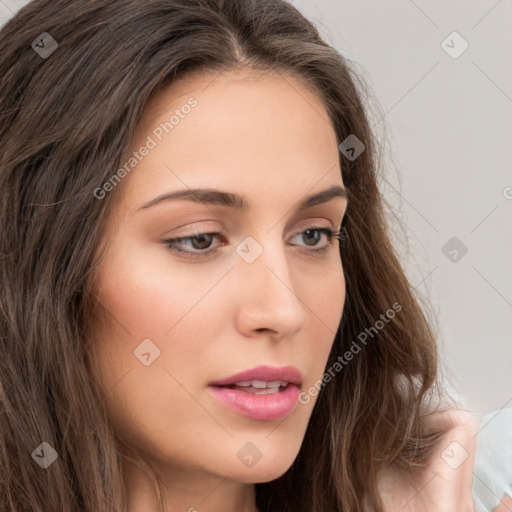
(505, 505)
(446, 483)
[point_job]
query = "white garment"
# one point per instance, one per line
(493, 461)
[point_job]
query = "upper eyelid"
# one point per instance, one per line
(226, 230)
(220, 232)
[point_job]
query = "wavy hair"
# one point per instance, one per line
(67, 121)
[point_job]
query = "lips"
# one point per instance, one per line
(260, 375)
(264, 393)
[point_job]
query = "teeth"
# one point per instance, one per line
(267, 391)
(261, 384)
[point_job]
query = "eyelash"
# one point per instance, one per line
(172, 243)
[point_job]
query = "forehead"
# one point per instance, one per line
(246, 129)
(234, 86)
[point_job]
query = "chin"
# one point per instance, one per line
(259, 476)
(266, 469)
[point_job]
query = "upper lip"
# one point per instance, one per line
(265, 373)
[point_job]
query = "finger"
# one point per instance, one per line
(443, 421)
(453, 460)
(505, 505)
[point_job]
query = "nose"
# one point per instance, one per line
(267, 295)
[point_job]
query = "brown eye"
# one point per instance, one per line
(200, 244)
(203, 241)
(314, 239)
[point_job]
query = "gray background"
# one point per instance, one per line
(447, 125)
(448, 155)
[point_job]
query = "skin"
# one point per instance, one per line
(266, 137)
(445, 484)
(505, 505)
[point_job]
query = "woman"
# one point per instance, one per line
(201, 307)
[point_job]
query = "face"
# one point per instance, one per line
(194, 292)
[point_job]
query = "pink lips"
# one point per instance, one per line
(265, 407)
(267, 373)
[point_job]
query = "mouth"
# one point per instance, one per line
(258, 387)
(262, 377)
(263, 393)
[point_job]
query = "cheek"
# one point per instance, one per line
(150, 295)
(329, 299)
(149, 309)
(325, 305)
(324, 294)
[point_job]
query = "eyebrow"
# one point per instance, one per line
(218, 197)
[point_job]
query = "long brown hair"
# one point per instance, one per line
(68, 117)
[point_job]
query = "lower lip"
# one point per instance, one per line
(259, 407)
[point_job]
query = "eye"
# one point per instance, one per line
(313, 238)
(200, 244)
